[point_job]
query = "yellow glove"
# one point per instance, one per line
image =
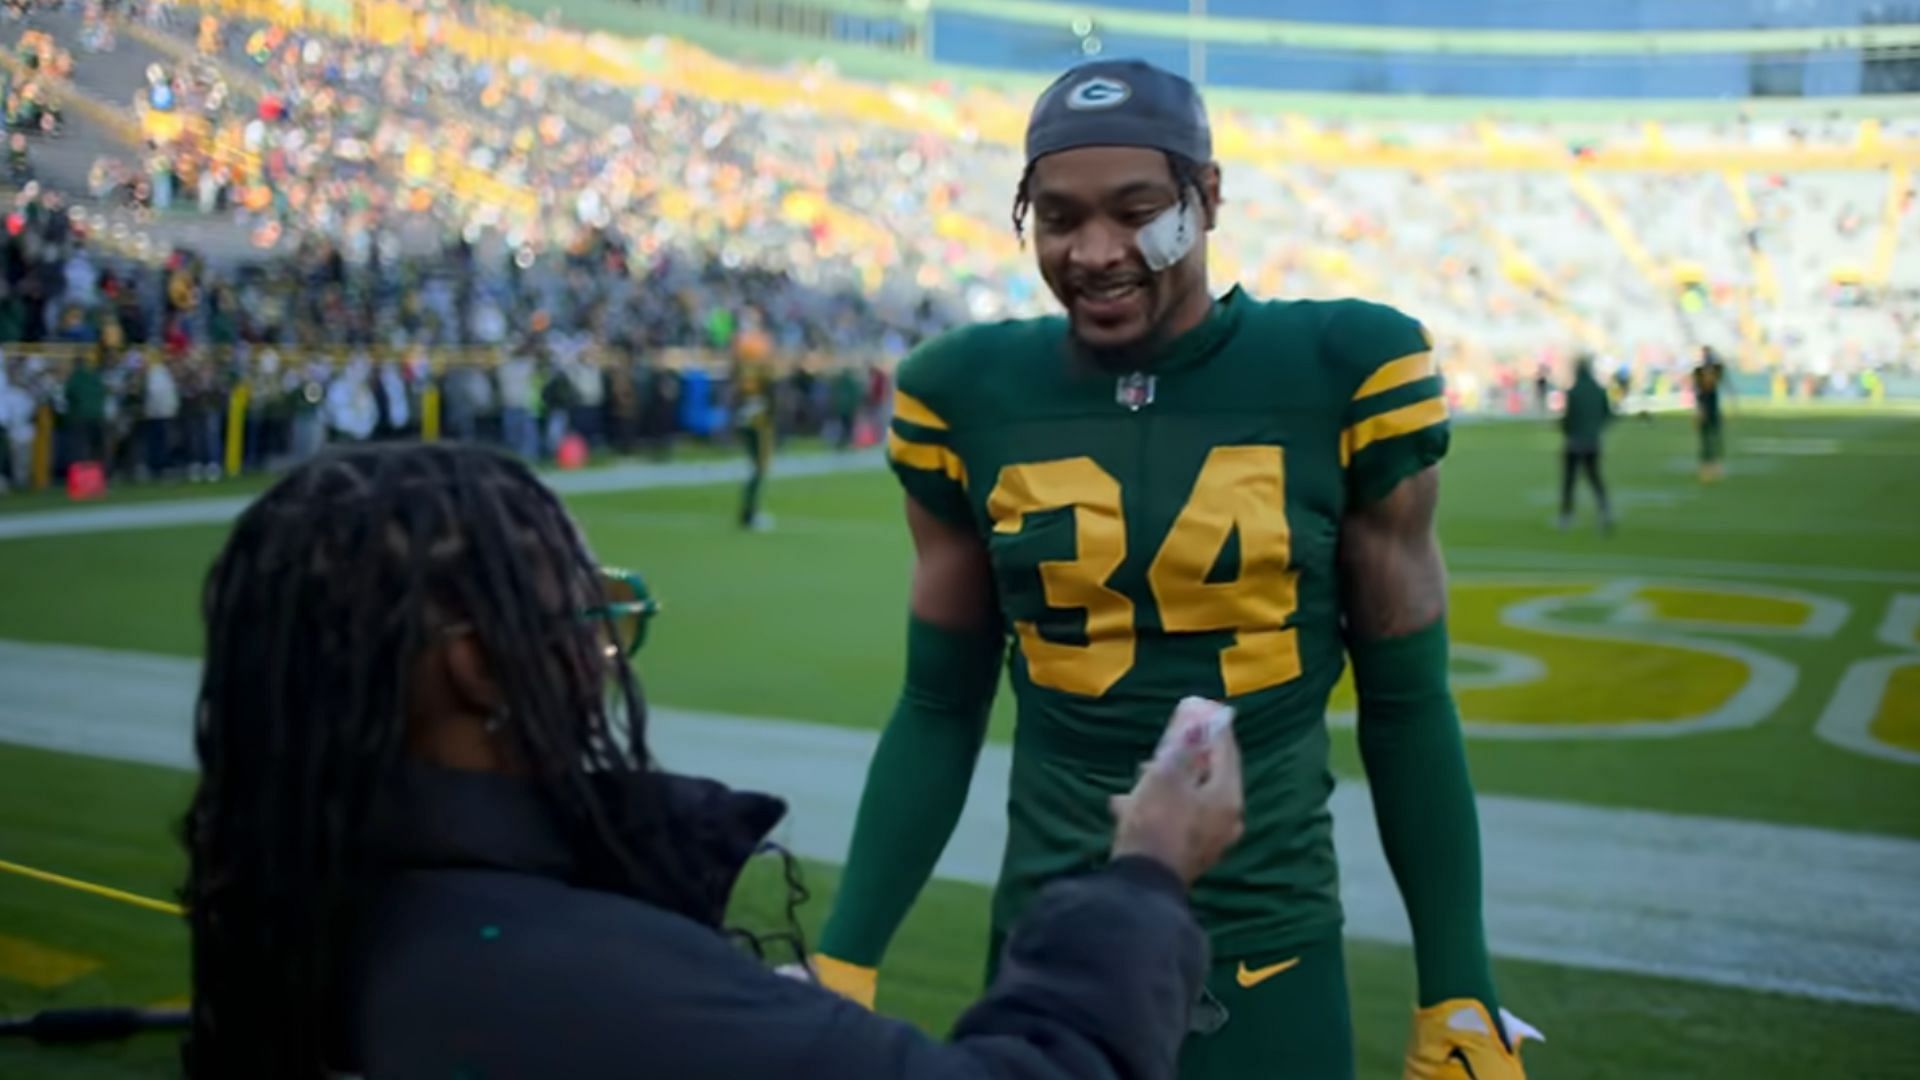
(851, 981)
(1456, 1040)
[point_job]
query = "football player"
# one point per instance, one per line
(1583, 423)
(753, 418)
(1708, 376)
(1167, 492)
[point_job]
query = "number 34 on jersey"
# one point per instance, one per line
(1240, 489)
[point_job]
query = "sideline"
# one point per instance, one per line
(1813, 912)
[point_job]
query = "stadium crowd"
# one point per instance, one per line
(543, 250)
(150, 372)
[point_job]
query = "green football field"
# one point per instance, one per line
(1736, 670)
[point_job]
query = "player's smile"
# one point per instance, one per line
(1110, 309)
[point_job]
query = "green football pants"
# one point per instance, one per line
(759, 445)
(1283, 1016)
(1712, 439)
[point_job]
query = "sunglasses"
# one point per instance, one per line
(624, 611)
(627, 608)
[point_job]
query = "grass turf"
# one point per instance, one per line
(1812, 503)
(745, 612)
(1600, 1024)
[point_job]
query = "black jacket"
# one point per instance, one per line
(485, 956)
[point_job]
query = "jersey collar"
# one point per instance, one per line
(1197, 345)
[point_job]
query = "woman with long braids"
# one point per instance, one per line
(428, 840)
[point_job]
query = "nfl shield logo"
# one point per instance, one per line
(1134, 390)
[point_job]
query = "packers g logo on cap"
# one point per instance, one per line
(1098, 93)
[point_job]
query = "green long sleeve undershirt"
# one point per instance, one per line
(1423, 799)
(916, 785)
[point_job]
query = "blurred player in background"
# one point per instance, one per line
(1165, 494)
(1588, 412)
(1708, 376)
(753, 417)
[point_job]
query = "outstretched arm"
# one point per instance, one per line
(1395, 608)
(917, 783)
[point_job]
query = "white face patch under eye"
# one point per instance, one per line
(1171, 234)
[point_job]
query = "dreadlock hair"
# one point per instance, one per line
(1187, 178)
(317, 609)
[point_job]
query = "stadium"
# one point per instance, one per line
(588, 232)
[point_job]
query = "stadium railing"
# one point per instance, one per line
(54, 360)
(57, 357)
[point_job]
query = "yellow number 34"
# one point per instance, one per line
(1239, 487)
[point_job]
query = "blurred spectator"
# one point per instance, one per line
(160, 405)
(518, 399)
(17, 409)
(86, 415)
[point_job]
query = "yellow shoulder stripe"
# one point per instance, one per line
(1396, 373)
(914, 411)
(917, 455)
(1388, 425)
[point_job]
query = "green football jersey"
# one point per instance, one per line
(1165, 534)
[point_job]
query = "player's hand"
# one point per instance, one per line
(1187, 809)
(1456, 1040)
(851, 981)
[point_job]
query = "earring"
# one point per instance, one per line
(495, 721)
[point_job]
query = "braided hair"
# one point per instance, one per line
(324, 597)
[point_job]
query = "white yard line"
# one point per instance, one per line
(1813, 912)
(641, 476)
(219, 510)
